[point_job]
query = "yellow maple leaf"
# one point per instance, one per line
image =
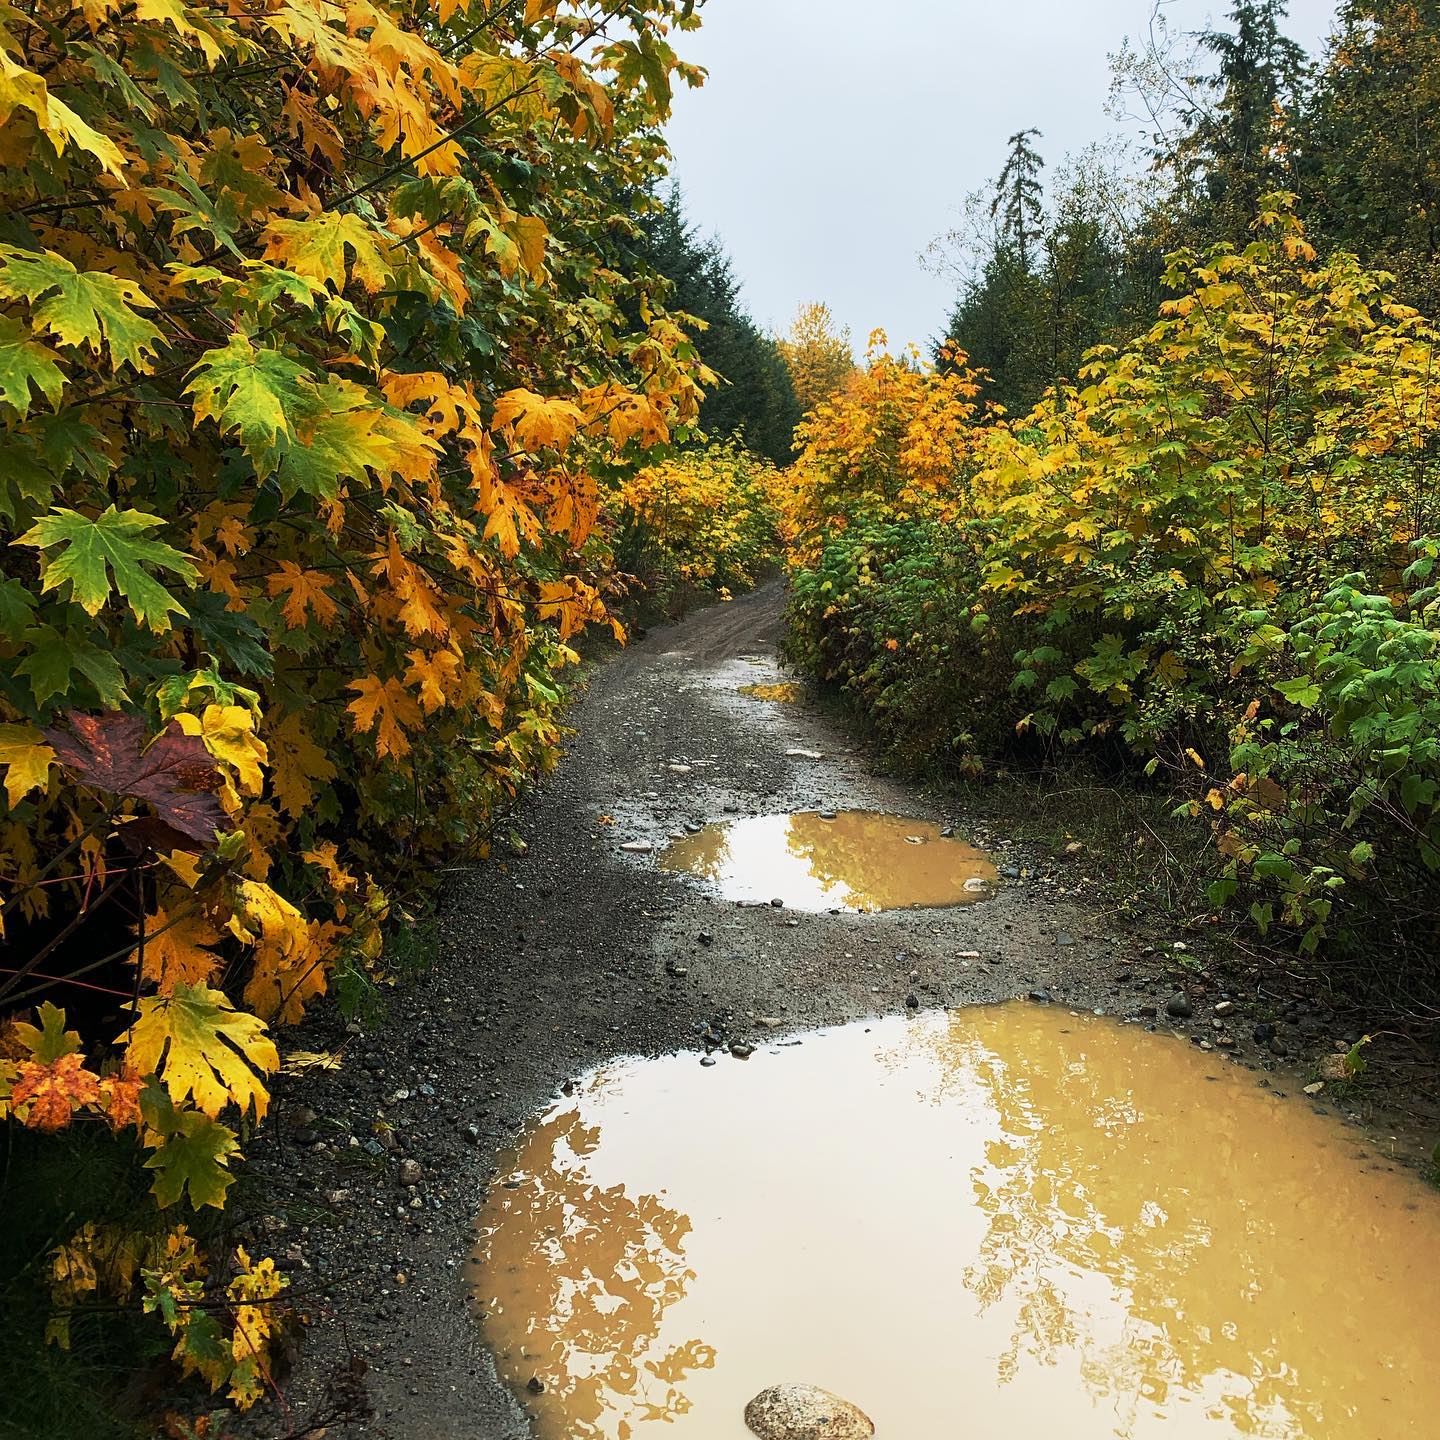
(316, 248)
(385, 707)
(536, 421)
(229, 735)
(202, 1048)
(305, 592)
(433, 676)
(299, 768)
(177, 949)
(27, 760)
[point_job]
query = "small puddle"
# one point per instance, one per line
(854, 860)
(786, 692)
(1006, 1221)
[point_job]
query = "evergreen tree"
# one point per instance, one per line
(1019, 206)
(754, 399)
(1236, 148)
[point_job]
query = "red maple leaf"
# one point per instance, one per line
(174, 773)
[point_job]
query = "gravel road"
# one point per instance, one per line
(556, 960)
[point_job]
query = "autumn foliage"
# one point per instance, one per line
(321, 356)
(1216, 552)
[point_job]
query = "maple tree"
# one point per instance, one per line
(322, 360)
(817, 354)
(1216, 547)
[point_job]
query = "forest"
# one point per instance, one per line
(362, 374)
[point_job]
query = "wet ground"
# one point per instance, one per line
(1000, 1202)
(584, 948)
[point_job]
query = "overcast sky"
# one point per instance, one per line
(836, 138)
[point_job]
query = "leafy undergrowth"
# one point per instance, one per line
(1210, 561)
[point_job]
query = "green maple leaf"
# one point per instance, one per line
(251, 392)
(115, 544)
(81, 307)
(54, 660)
(194, 1158)
(48, 1040)
(25, 362)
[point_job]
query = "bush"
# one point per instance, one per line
(1211, 552)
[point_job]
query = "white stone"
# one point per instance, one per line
(806, 1412)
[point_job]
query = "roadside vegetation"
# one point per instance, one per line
(1198, 543)
(348, 353)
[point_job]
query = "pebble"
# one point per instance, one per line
(707, 1059)
(741, 1051)
(912, 1001)
(1225, 1007)
(806, 1412)
(1178, 1007)
(637, 847)
(410, 1172)
(798, 754)
(1044, 997)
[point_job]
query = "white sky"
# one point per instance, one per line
(836, 138)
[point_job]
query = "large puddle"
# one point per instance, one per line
(820, 860)
(1004, 1222)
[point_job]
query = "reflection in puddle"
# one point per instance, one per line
(856, 860)
(1000, 1222)
(786, 692)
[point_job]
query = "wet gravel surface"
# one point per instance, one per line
(577, 950)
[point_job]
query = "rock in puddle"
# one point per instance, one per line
(806, 1412)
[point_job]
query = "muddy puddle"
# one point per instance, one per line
(1004, 1222)
(784, 692)
(820, 860)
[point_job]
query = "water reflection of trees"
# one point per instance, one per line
(867, 858)
(1172, 1241)
(858, 859)
(575, 1281)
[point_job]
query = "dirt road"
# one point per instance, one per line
(557, 959)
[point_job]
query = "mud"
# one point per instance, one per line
(367, 1181)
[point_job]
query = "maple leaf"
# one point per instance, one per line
(178, 950)
(305, 592)
(25, 362)
(50, 1039)
(200, 1045)
(538, 422)
(194, 1159)
(27, 760)
(253, 393)
(81, 307)
(298, 765)
(24, 89)
(385, 707)
(174, 773)
(316, 248)
(433, 676)
(115, 544)
(228, 733)
(120, 1098)
(46, 1095)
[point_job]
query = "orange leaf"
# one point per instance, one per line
(305, 591)
(49, 1094)
(384, 707)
